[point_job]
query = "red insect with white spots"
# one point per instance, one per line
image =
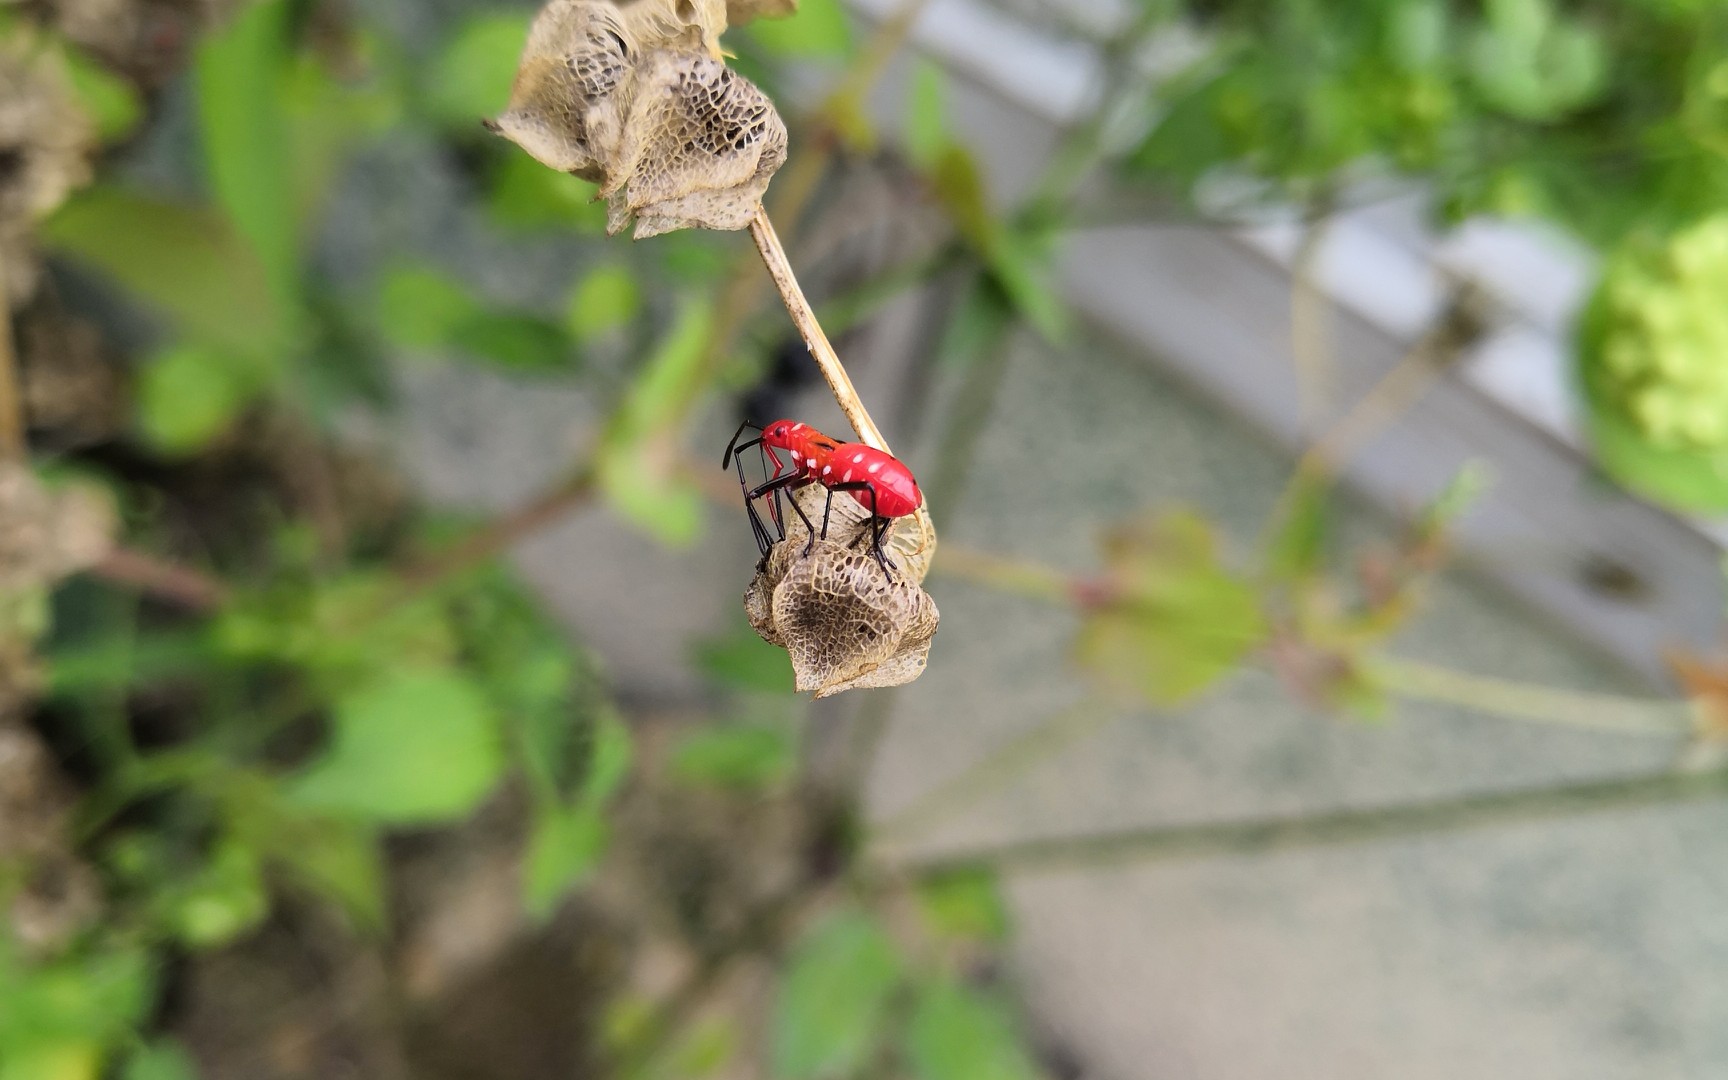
(877, 480)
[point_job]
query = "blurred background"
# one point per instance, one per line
(1324, 406)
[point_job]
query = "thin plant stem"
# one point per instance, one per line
(878, 51)
(174, 583)
(974, 403)
(1419, 681)
(1020, 577)
(1310, 324)
(501, 534)
(995, 772)
(12, 443)
(1398, 390)
(804, 318)
(1390, 397)
(1235, 839)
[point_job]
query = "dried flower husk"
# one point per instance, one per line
(635, 98)
(846, 622)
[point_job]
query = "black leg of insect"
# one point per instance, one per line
(774, 487)
(757, 529)
(735, 453)
(733, 447)
(878, 523)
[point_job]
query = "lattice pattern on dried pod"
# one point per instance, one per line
(845, 623)
(634, 97)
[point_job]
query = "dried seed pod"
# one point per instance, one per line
(845, 622)
(635, 98)
(700, 145)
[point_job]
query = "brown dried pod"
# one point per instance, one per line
(846, 622)
(635, 97)
(700, 146)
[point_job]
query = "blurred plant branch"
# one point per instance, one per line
(1297, 833)
(12, 444)
(1415, 680)
(994, 772)
(175, 583)
(1310, 317)
(1420, 681)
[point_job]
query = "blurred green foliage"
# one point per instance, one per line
(335, 698)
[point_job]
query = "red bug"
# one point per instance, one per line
(877, 480)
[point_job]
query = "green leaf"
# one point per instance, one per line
(471, 77)
(1175, 621)
(190, 395)
(1297, 548)
(960, 186)
(419, 308)
(526, 196)
(96, 997)
(418, 748)
(926, 130)
(640, 466)
(743, 660)
(957, 1032)
(641, 485)
(338, 861)
(224, 900)
(1681, 479)
(1462, 492)
(187, 262)
(702, 1051)
(1023, 271)
(240, 72)
(68, 1060)
(964, 904)
(110, 101)
(818, 30)
(1418, 32)
(514, 340)
(748, 757)
(833, 1000)
(328, 114)
(102, 667)
(160, 1061)
(606, 299)
(609, 760)
(564, 848)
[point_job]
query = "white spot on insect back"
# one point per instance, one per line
(847, 478)
(875, 467)
(856, 458)
(826, 469)
(796, 456)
